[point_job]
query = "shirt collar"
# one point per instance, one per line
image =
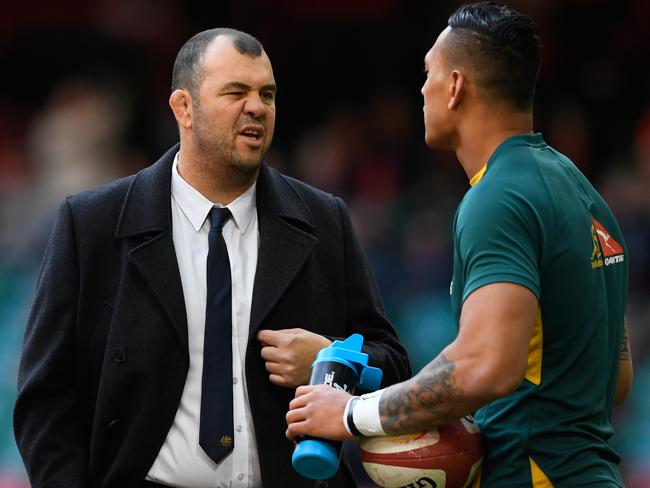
(535, 139)
(197, 208)
(478, 176)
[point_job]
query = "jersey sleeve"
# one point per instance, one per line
(498, 239)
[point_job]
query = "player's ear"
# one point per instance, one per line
(180, 102)
(455, 89)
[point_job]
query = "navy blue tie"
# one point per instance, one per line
(216, 436)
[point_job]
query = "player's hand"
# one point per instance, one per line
(317, 410)
(289, 354)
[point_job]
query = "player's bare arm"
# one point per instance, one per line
(426, 399)
(626, 352)
(625, 371)
(487, 360)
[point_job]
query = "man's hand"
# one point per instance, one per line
(317, 410)
(289, 354)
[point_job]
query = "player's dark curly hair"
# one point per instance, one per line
(187, 71)
(504, 47)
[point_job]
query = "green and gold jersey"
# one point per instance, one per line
(532, 218)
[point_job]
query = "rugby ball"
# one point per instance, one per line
(448, 456)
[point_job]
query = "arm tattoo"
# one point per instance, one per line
(626, 352)
(425, 400)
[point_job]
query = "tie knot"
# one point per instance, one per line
(218, 217)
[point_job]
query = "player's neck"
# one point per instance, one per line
(481, 135)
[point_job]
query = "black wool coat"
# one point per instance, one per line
(105, 354)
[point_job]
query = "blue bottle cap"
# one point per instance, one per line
(315, 459)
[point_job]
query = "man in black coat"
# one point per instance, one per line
(110, 381)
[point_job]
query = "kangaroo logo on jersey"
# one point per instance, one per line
(604, 246)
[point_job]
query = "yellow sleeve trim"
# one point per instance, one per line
(477, 177)
(535, 350)
(540, 480)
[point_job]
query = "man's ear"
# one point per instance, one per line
(180, 102)
(456, 89)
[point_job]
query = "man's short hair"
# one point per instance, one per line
(503, 46)
(188, 73)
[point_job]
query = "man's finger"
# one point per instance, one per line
(270, 337)
(275, 368)
(295, 429)
(278, 379)
(303, 390)
(295, 415)
(270, 353)
(298, 401)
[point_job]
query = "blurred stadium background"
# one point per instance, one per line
(84, 100)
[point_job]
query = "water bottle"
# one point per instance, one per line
(342, 365)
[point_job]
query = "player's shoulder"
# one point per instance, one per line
(515, 177)
(504, 194)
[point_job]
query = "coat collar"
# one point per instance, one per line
(286, 228)
(276, 195)
(147, 207)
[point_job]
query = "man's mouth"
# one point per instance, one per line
(253, 132)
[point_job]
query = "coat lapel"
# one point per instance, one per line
(146, 220)
(286, 240)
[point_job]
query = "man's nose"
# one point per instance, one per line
(254, 106)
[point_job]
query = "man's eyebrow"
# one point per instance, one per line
(238, 85)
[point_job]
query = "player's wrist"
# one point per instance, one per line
(348, 422)
(362, 415)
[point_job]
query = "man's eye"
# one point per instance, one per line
(235, 94)
(269, 96)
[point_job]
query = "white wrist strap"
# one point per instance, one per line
(366, 414)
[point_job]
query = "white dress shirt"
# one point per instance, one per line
(181, 461)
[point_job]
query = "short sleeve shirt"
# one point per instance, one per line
(534, 220)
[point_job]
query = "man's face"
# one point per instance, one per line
(438, 127)
(233, 113)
